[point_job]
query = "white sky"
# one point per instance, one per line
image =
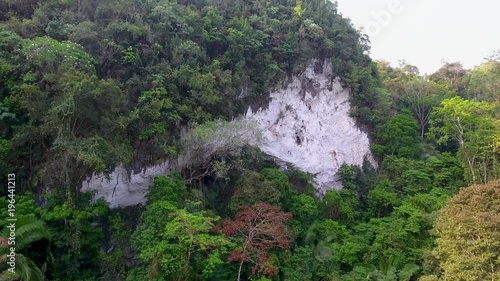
(424, 32)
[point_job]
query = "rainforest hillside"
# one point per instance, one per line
(86, 86)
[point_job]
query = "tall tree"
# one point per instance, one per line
(474, 126)
(258, 229)
(186, 241)
(175, 238)
(400, 137)
(484, 82)
(421, 96)
(452, 75)
(468, 229)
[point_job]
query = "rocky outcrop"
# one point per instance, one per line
(306, 124)
(124, 188)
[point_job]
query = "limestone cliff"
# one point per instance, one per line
(306, 124)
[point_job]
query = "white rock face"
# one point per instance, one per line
(307, 124)
(122, 189)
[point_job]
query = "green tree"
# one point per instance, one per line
(468, 242)
(474, 126)
(452, 75)
(397, 238)
(175, 239)
(28, 230)
(252, 188)
(152, 121)
(301, 265)
(341, 205)
(78, 118)
(114, 258)
(407, 176)
(382, 200)
(421, 96)
(400, 137)
(305, 210)
(76, 224)
(186, 245)
(484, 82)
(45, 54)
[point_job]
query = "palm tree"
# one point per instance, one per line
(28, 230)
(390, 271)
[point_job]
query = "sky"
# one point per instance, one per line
(425, 33)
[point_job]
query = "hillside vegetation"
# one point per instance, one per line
(88, 85)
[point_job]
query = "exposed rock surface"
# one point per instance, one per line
(306, 124)
(122, 188)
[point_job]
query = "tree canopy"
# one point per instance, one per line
(86, 86)
(468, 235)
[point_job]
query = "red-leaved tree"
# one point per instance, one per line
(259, 228)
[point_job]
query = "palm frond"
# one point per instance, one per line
(408, 271)
(26, 270)
(28, 230)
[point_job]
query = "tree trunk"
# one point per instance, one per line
(471, 167)
(239, 270)
(485, 170)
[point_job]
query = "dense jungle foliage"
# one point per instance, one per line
(87, 85)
